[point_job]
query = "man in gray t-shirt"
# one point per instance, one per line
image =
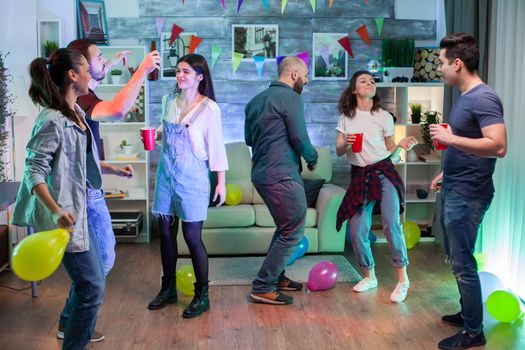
(476, 137)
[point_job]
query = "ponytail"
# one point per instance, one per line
(49, 80)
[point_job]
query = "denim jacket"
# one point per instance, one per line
(56, 155)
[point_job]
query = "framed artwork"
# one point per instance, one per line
(426, 61)
(330, 61)
(256, 40)
(91, 20)
(170, 54)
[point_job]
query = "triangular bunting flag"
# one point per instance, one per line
(194, 42)
(237, 58)
(279, 59)
(223, 6)
(363, 33)
(215, 53)
(283, 5)
(312, 3)
(331, 3)
(303, 56)
(159, 23)
(259, 64)
(366, 2)
(325, 51)
(175, 32)
(239, 4)
(198, 3)
(379, 25)
(345, 43)
(265, 3)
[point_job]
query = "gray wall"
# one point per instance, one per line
(296, 26)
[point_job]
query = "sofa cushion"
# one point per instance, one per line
(242, 215)
(324, 166)
(264, 219)
(240, 169)
(311, 190)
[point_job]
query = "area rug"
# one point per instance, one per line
(229, 271)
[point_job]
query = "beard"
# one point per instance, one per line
(98, 76)
(298, 86)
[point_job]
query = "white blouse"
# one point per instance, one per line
(205, 132)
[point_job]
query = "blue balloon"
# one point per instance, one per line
(489, 283)
(299, 251)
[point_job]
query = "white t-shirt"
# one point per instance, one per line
(375, 127)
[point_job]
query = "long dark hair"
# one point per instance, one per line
(348, 100)
(199, 64)
(49, 80)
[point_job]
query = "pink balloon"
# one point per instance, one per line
(323, 276)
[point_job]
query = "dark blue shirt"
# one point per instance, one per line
(88, 103)
(276, 130)
(463, 172)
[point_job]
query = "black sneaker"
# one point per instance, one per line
(95, 337)
(462, 340)
(273, 298)
(455, 320)
(289, 285)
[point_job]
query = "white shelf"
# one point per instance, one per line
(123, 123)
(112, 161)
(413, 198)
(410, 85)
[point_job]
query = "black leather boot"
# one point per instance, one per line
(199, 304)
(167, 295)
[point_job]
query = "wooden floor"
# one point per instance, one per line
(335, 319)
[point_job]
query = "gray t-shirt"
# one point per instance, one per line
(463, 172)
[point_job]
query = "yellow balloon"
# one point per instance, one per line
(38, 255)
(233, 194)
(412, 233)
(185, 278)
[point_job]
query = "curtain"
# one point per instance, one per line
(473, 17)
(503, 231)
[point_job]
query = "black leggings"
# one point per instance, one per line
(192, 232)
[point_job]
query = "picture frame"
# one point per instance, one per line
(91, 20)
(326, 47)
(256, 40)
(171, 54)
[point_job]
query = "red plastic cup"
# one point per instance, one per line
(148, 138)
(438, 145)
(357, 146)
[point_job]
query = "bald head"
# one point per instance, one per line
(290, 63)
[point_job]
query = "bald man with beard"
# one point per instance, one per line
(276, 130)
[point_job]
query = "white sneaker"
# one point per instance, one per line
(400, 293)
(365, 284)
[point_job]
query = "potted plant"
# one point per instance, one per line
(115, 75)
(429, 117)
(398, 57)
(49, 47)
(126, 147)
(5, 113)
(415, 108)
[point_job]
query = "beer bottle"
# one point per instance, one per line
(155, 74)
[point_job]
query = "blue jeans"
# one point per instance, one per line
(286, 202)
(460, 220)
(361, 223)
(99, 222)
(85, 297)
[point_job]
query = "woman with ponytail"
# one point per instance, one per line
(61, 162)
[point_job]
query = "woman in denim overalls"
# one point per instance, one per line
(191, 144)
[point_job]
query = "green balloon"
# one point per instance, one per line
(504, 306)
(412, 233)
(481, 260)
(233, 194)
